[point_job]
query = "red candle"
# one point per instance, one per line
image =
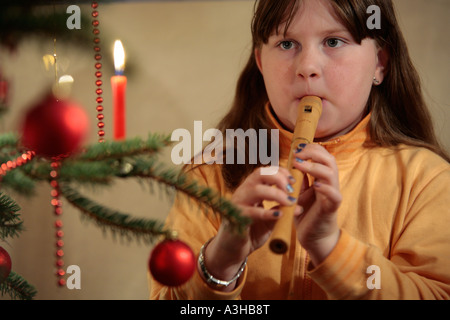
(119, 84)
(3, 92)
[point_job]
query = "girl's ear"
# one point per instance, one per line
(258, 59)
(382, 63)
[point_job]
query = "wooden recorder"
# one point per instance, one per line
(309, 112)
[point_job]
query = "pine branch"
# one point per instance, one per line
(9, 140)
(100, 172)
(116, 221)
(19, 182)
(128, 148)
(204, 196)
(16, 179)
(99, 163)
(17, 287)
(10, 223)
(124, 225)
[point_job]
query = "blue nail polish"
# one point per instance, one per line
(289, 188)
(276, 214)
(302, 145)
(292, 199)
(299, 160)
(298, 150)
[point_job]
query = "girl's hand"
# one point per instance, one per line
(227, 251)
(317, 228)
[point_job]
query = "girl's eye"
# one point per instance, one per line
(334, 43)
(286, 45)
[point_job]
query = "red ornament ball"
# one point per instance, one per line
(54, 128)
(5, 264)
(172, 263)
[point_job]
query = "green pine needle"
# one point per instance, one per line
(206, 197)
(10, 223)
(99, 163)
(19, 182)
(118, 222)
(8, 140)
(17, 288)
(127, 148)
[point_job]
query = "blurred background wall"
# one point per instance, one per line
(184, 60)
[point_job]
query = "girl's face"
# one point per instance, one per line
(319, 57)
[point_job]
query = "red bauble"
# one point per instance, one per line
(172, 263)
(54, 127)
(5, 264)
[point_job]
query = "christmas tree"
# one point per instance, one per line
(94, 166)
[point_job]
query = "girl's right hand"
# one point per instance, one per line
(227, 251)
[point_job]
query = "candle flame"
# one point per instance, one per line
(119, 57)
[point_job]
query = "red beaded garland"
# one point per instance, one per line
(57, 210)
(12, 164)
(98, 73)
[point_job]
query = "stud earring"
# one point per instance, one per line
(375, 81)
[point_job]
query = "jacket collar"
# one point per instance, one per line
(344, 148)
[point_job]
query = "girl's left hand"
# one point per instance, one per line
(317, 228)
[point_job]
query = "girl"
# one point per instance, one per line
(374, 223)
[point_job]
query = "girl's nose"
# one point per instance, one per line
(308, 64)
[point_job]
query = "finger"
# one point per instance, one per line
(263, 192)
(256, 194)
(282, 178)
(258, 187)
(261, 214)
(322, 165)
(298, 211)
(332, 198)
(319, 171)
(317, 154)
(306, 198)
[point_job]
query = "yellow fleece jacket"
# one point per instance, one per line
(395, 231)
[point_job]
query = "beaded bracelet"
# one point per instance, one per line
(209, 278)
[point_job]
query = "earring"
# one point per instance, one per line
(375, 81)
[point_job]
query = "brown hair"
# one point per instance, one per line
(399, 113)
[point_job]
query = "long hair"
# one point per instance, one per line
(399, 112)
